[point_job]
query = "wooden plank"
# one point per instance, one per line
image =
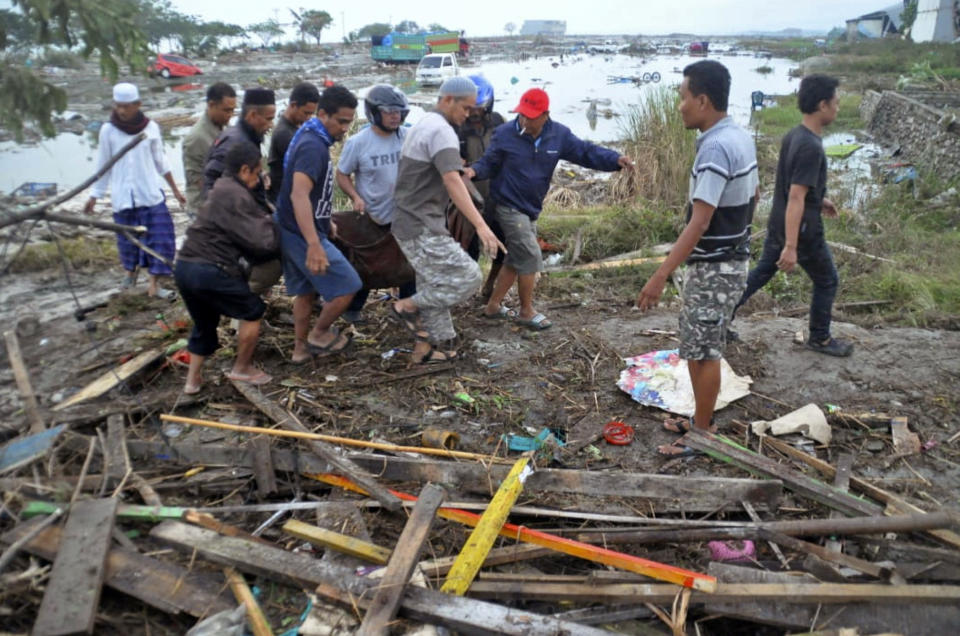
(111, 378)
(287, 420)
(765, 612)
(386, 602)
(262, 464)
(70, 601)
(485, 532)
(20, 451)
(570, 547)
(358, 548)
(839, 558)
(22, 376)
(791, 593)
(497, 556)
(160, 584)
(429, 606)
(118, 463)
(241, 591)
(895, 505)
(841, 481)
(727, 450)
(773, 546)
(658, 492)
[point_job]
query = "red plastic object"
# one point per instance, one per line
(617, 433)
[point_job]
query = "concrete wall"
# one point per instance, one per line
(926, 136)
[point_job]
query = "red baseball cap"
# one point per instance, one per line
(533, 103)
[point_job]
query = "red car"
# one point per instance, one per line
(168, 66)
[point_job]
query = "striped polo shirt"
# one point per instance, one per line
(724, 175)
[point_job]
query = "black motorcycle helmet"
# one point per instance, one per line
(384, 96)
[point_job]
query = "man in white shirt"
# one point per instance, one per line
(136, 191)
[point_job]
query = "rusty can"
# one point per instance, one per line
(438, 438)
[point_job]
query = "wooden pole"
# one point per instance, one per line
(343, 441)
(22, 376)
(255, 618)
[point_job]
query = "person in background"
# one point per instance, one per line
(715, 243)
(232, 228)
(221, 103)
(370, 157)
(136, 190)
(302, 106)
(475, 134)
(312, 264)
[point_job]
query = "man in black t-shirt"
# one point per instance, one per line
(795, 228)
(302, 106)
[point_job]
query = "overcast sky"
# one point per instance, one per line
(487, 17)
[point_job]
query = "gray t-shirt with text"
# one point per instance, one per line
(372, 159)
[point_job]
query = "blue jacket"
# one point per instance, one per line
(520, 167)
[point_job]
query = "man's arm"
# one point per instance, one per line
(487, 166)
(345, 183)
(588, 155)
(461, 198)
(688, 239)
(794, 216)
(182, 200)
(303, 213)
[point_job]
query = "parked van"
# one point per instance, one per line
(437, 67)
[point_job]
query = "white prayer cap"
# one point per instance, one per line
(125, 93)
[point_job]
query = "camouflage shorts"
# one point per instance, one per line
(710, 293)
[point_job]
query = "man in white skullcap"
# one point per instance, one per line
(427, 177)
(136, 190)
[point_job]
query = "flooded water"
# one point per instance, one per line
(68, 159)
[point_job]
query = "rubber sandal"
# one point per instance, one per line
(257, 379)
(410, 320)
(682, 426)
(192, 390)
(430, 357)
(537, 323)
(330, 348)
(165, 294)
(503, 313)
(681, 450)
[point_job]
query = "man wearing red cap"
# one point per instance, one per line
(520, 162)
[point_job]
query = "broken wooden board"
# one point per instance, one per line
(726, 450)
(383, 608)
(841, 481)
(905, 442)
(111, 378)
(262, 465)
(118, 463)
(70, 601)
(341, 464)
(838, 558)
(485, 532)
(21, 451)
(368, 552)
(22, 376)
(165, 586)
(428, 606)
(690, 494)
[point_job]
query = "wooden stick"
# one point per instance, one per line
(15, 547)
(343, 441)
(480, 541)
(385, 604)
(498, 556)
(341, 543)
(255, 618)
(22, 376)
(864, 567)
(585, 551)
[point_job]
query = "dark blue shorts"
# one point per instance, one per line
(209, 293)
(340, 279)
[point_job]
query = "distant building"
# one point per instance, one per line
(937, 21)
(544, 27)
(877, 24)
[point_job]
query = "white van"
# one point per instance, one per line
(437, 67)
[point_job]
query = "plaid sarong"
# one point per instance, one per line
(160, 237)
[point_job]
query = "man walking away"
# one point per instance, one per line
(795, 227)
(715, 242)
(371, 157)
(520, 162)
(302, 106)
(429, 175)
(221, 103)
(136, 191)
(313, 265)
(232, 227)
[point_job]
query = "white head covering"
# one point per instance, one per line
(125, 93)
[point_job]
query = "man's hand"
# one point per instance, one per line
(491, 244)
(88, 208)
(650, 294)
(359, 205)
(469, 173)
(788, 259)
(625, 162)
(317, 262)
(828, 209)
(182, 200)
(333, 229)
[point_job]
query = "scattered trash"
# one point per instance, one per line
(618, 433)
(661, 379)
(464, 398)
(330, 378)
(437, 438)
(522, 444)
(176, 346)
(726, 551)
(841, 151)
(808, 420)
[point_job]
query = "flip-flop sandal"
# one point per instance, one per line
(165, 294)
(192, 390)
(410, 321)
(682, 426)
(257, 379)
(330, 348)
(436, 356)
(537, 323)
(502, 314)
(677, 450)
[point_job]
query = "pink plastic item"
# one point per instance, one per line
(726, 551)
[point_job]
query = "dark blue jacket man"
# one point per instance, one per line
(520, 162)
